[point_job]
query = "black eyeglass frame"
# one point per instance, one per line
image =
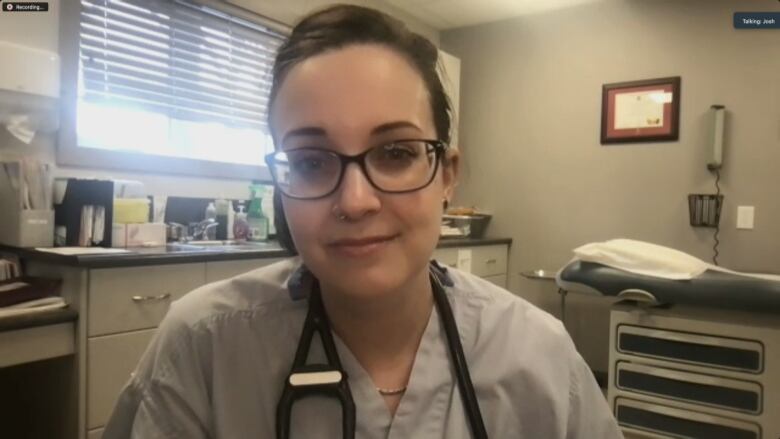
(439, 148)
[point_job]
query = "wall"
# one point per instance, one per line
(530, 127)
(41, 30)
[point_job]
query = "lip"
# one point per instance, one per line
(361, 246)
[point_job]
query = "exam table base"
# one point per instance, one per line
(694, 372)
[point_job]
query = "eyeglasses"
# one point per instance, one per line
(397, 167)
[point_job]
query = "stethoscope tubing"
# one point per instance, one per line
(317, 321)
(466, 386)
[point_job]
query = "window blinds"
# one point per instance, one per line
(176, 58)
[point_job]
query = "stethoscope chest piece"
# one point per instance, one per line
(316, 379)
(331, 380)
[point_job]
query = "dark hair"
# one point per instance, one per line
(342, 25)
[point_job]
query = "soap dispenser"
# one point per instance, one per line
(240, 224)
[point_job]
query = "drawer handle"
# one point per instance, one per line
(491, 261)
(165, 296)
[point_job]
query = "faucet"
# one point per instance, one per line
(177, 232)
(205, 229)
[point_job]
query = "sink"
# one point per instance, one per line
(180, 247)
(222, 246)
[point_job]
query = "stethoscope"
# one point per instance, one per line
(331, 380)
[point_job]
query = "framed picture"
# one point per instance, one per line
(641, 111)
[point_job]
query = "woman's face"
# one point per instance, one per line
(358, 240)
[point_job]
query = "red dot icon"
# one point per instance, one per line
(9, 6)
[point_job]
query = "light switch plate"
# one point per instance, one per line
(745, 217)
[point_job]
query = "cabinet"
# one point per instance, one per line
(676, 372)
(125, 305)
(488, 262)
(130, 298)
(110, 360)
(450, 77)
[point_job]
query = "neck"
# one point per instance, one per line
(383, 332)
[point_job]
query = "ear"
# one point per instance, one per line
(450, 172)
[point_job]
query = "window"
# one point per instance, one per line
(173, 79)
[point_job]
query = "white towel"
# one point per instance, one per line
(651, 260)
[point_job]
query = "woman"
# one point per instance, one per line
(361, 124)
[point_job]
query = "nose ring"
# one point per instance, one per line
(340, 216)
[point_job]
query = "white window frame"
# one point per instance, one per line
(70, 153)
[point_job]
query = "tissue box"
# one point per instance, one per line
(131, 210)
(138, 235)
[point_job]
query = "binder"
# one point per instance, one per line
(76, 212)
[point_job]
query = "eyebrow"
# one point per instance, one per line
(385, 127)
(319, 132)
(304, 131)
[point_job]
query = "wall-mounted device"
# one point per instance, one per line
(29, 85)
(717, 118)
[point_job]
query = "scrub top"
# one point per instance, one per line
(218, 363)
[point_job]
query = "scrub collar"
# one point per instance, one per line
(301, 280)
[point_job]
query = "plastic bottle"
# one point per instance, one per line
(268, 209)
(211, 214)
(258, 223)
(211, 211)
(240, 224)
(231, 218)
(222, 207)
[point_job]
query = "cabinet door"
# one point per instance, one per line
(132, 298)
(226, 269)
(450, 78)
(110, 360)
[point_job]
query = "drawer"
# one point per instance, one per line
(447, 256)
(483, 261)
(669, 422)
(713, 391)
(488, 260)
(110, 360)
(683, 347)
(131, 298)
(226, 269)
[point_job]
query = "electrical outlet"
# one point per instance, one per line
(745, 217)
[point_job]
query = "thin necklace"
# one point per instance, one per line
(391, 392)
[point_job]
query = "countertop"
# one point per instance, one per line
(173, 254)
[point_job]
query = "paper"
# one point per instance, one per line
(70, 251)
(98, 225)
(30, 180)
(19, 126)
(33, 306)
(85, 232)
(644, 109)
(9, 269)
(13, 286)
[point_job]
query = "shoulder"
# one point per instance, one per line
(492, 308)
(222, 309)
(185, 337)
(261, 290)
(511, 337)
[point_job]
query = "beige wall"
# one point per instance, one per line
(530, 118)
(41, 30)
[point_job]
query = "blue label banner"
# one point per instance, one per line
(757, 20)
